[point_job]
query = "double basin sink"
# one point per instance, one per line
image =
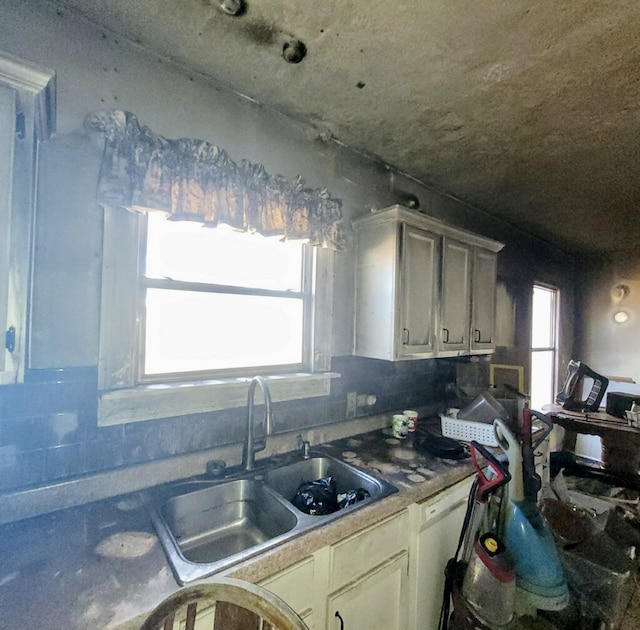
(207, 525)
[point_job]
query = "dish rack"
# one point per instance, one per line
(466, 430)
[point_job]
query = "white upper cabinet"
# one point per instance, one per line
(396, 282)
(483, 302)
(467, 299)
(418, 284)
(27, 111)
(455, 297)
(423, 288)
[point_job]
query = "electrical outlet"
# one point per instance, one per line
(352, 404)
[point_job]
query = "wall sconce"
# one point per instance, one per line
(621, 317)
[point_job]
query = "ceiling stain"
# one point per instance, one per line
(259, 31)
(528, 112)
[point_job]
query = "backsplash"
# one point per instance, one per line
(48, 428)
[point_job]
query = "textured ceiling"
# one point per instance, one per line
(530, 111)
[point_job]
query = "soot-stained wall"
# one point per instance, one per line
(48, 425)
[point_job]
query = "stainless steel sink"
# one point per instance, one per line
(286, 479)
(206, 526)
(221, 521)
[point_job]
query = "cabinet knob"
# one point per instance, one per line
(476, 335)
(405, 336)
(445, 334)
(341, 620)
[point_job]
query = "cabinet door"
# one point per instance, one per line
(296, 586)
(376, 287)
(378, 600)
(27, 116)
(455, 298)
(7, 131)
(418, 278)
(483, 302)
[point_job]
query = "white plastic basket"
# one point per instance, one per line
(466, 430)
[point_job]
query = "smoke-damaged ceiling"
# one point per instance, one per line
(529, 111)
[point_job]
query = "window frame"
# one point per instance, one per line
(123, 397)
(145, 282)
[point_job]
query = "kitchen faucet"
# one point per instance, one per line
(249, 449)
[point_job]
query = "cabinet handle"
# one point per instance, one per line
(10, 339)
(476, 335)
(405, 336)
(446, 335)
(341, 620)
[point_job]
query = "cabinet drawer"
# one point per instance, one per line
(294, 585)
(443, 502)
(364, 551)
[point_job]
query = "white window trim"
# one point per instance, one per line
(121, 400)
(152, 402)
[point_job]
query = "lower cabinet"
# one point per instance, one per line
(369, 578)
(377, 600)
(390, 575)
(296, 586)
(363, 578)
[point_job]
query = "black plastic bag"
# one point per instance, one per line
(317, 497)
(352, 496)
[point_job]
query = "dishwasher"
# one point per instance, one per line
(436, 526)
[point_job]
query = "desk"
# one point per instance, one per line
(620, 442)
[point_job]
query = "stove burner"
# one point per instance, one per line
(442, 446)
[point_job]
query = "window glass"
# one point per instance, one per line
(192, 332)
(542, 378)
(220, 301)
(542, 330)
(187, 251)
(543, 346)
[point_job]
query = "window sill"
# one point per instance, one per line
(152, 402)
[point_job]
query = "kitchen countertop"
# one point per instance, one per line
(100, 565)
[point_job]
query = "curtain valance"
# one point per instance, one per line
(194, 180)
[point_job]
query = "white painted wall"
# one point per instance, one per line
(607, 347)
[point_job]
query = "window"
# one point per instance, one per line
(544, 345)
(189, 314)
(222, 301)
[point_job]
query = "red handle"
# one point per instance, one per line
(486, 486)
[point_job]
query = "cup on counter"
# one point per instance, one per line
(399, 426)
(412, 419)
